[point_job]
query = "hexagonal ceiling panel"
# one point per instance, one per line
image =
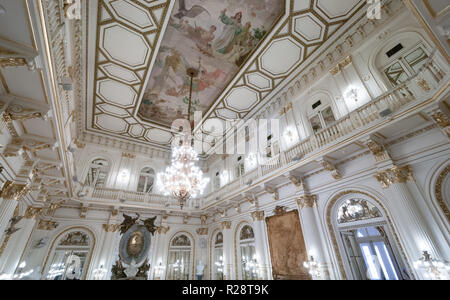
(143, 49)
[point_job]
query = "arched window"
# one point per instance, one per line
(179, 258)
(320, 114)
(218, 257)
(97, 173)
(70, 256)
(146, 180)
(366, 240)
(240, 167)
(248, 261)
(401, 58)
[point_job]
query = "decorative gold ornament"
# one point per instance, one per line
(226, 225)
(423, 84)
(202, 231)
(163, 230)
(32, 212)
(14, 191)
(258, 215)
(378, 150)
(83, 212)
(394, 175)
(273, 191)
(47, 225)
(203, 219)
(128, 155)
(327, 165)
(6, 62)
(280, 210)
(438, 191)
(111, 227)
(307, 201)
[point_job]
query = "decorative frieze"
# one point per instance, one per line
(307, 201)
(14, 191)
(83, 212)
(258, 215)
(443, 121)
(394, 175)
(280, 210)
(47, 225)
(111, 227)
(226, 225)
(202, 231)
(32, 212)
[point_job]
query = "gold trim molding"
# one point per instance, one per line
(32, 212)
(14, 191)
(438, 191)
(202, 231)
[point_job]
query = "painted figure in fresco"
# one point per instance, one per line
(193, 12)
(231, 30)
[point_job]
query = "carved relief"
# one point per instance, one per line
(378, 150)
(356, 210)
(32, 212)
(76, 238)
(181, 240)
(47, 225)
(226, 225)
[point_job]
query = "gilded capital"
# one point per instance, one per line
(307, 201)
(163, 230)
(202, 231)
(226, 225)
(111, 227)
(32, 212)
(14, 191)
(258, 216)
(394, 175)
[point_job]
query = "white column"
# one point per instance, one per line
(7, 208)
(228, 249)
(17, 243)
(307, 205)
(261, 245)
(106, 256)
(160, 257)
(406, 216)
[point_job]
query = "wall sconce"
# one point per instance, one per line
(352, 94)
(432, 269)
(99, 273)
(312, 267)
(124, 176)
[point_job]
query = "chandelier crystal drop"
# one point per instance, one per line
(183, 179)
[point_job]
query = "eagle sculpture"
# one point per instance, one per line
(128, 222)
(150, 225)
(193, 12)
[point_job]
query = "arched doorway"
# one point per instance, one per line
(364, 240)
(180, 257)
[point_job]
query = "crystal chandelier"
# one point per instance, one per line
(183, 179)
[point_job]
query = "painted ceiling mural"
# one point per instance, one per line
(213, 36)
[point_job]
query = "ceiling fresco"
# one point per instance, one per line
(213, 36)
(139, 51)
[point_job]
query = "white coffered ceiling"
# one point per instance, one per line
(123, 40)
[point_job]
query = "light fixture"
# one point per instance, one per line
(312, 267)
(352, 94)
(183, 179)
(99, 273)
(433, 269)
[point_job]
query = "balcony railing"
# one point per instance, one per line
(415, 90)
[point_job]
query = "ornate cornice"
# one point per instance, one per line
(111, 227)
(394, 175)
(330, 167)
(307, 201)
(258, 215)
